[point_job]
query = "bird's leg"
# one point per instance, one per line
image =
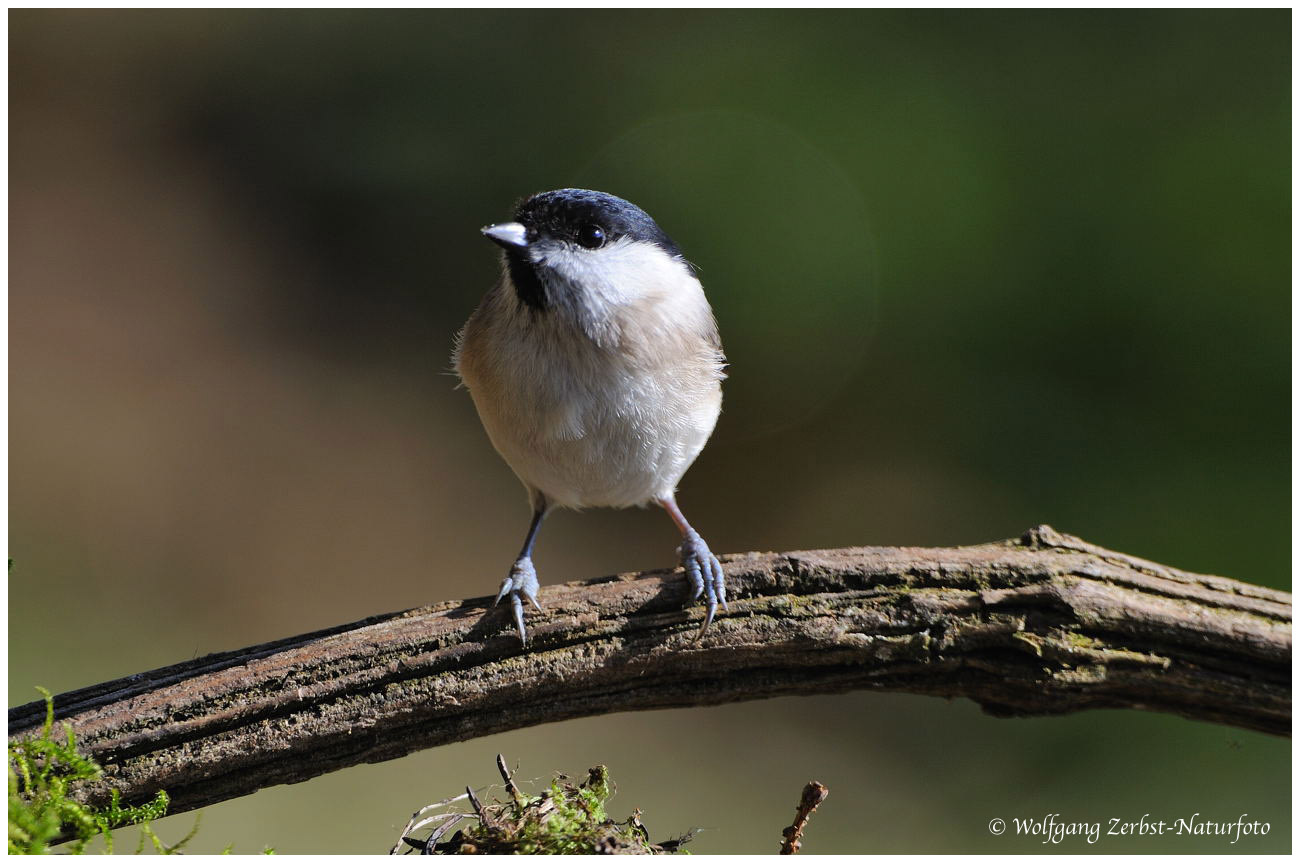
(701, 565)
(521, 583)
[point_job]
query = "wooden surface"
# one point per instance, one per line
(1040, 625)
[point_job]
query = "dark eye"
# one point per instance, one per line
(591, 236)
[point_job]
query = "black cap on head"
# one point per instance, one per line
(565, 214)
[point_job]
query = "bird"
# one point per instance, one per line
(596, 368)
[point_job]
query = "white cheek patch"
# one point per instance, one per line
(593, 284)
(622, 271)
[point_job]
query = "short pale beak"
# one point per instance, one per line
(508, 235)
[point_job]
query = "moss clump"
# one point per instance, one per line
(564, 819)
(41, 772)
(1078, 639)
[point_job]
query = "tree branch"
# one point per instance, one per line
(1041, 625)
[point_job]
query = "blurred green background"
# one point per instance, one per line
(974, 271)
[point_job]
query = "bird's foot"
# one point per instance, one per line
(705, 574)
(519, 585)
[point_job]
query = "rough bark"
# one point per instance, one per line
(1041, 625)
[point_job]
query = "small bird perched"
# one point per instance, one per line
(596, 369)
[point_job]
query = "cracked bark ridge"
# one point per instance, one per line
(1045, 624)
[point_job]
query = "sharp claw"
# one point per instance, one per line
(719, 583)
(708, 618)
(521, 583)
(519, 617)
(704, 572)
